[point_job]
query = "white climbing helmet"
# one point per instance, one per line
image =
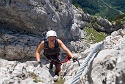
(51, 33)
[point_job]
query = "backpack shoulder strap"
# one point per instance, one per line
(56, 43)
(45, 40)
(45, 43)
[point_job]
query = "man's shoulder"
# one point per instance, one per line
(59, 41)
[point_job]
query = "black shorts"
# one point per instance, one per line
(55, 59)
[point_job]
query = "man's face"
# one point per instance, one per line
(52, 39)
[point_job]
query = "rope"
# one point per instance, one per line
(85, 63)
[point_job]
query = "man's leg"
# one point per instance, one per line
(51, 65)
(58, 69)
(50, 60)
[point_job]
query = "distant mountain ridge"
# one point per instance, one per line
(106, 8)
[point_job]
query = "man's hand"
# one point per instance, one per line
(74, 59)
(40, 64)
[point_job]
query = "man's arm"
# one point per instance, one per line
(40, 47)
(61, 44)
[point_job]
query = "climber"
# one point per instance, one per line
(51, 48)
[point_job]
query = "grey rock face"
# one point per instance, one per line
(107, 66)
(17, 45)
(38, 16)
(35, 16)
(102, 24)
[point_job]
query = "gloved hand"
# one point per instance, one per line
(40, 64)
(74, 59)
(36, 64)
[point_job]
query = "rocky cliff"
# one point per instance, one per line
(106, 68)
(22, 23)
(38, 16)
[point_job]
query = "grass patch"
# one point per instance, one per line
(35, 77)
(60, 81)
(36, 80)
(93, 36)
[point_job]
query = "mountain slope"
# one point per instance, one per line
(106, 8)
